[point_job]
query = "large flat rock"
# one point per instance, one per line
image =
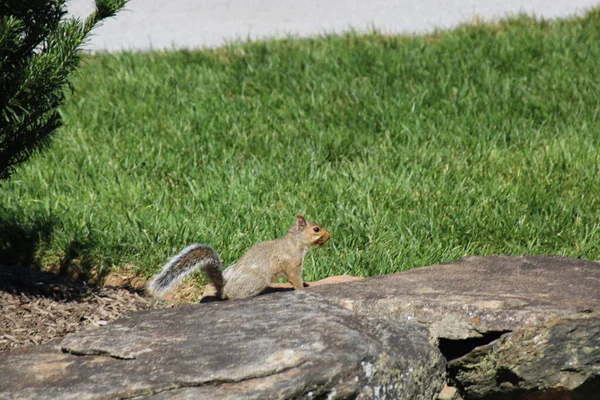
(285, 345)
(510, 327)
(476, 296)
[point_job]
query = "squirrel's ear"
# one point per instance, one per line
(300, 221)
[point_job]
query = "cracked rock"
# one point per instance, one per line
(474, 296)
(560, 359)
(286, 345)
(511, 327)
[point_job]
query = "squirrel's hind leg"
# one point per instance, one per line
(242, 281)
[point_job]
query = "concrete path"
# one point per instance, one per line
(161, 24)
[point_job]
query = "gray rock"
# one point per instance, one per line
(536, 318)
(476, 297)
(286, 345)
(560, 359)
(480, 300)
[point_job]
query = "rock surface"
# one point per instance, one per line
(286, 345)
(512, 327)
(476, 296)
(550, 304)
(560, 359)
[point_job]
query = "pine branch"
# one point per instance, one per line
(39, 48)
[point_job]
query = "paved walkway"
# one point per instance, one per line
(163, 24)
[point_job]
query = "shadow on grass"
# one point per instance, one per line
(21, 245)
(23, 271)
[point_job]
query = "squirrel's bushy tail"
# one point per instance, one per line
(183, 264)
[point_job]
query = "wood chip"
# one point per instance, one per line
(49, 307)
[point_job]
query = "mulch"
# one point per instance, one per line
(36, 306)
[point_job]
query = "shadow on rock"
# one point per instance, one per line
(212, 298)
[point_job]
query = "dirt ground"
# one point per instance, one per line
(36, 306)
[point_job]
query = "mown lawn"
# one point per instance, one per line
(412, 150)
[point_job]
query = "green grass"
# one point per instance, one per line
(412, 150)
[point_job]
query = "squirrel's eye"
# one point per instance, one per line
(316, 229)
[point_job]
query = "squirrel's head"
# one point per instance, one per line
(310, 232)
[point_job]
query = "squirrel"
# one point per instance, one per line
(263, 263)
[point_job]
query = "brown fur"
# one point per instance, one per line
(262, 264)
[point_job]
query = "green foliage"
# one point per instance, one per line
(38, 50)
(411, 150)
